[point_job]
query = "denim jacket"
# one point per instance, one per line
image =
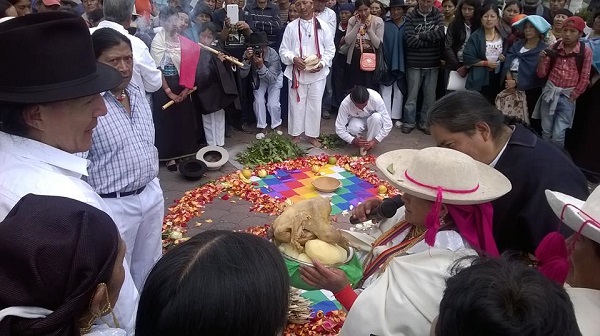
(269, 74)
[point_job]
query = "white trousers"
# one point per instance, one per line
(392, 98)
(305, 115)
(373, 124)
(214, 128)
(139, 219)
(272, 102)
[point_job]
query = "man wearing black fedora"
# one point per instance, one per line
(264, 65)
(48, 112)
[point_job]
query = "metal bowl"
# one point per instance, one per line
(348, 249)
(326, 184)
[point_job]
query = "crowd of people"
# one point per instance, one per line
(478, 248)
(298, 62)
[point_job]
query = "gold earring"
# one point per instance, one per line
(105, 310)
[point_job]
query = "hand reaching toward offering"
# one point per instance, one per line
(319, 276)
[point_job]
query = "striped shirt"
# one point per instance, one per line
(264, 19)
(123, 157)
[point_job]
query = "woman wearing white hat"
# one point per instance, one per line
(584, 280)
(447, 215)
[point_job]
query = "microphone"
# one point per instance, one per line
(387, 209)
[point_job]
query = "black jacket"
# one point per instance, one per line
(424, 36)
(523, 217)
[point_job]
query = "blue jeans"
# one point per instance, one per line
(554, 126)
(427, 78)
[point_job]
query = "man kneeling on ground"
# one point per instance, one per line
(363, 109)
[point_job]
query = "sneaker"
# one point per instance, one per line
(406, 129)
(398, 124)
(325, 114)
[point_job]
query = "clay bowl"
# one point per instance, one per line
(326, 184)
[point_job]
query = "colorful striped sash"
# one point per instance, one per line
(373, 265)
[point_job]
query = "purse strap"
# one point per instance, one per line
(360, 43)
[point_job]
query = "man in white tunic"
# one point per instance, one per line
(48, 111)
(363, 110)
(307, 49)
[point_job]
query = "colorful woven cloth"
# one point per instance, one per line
(296, 185)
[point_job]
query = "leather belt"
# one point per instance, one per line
(123, 194)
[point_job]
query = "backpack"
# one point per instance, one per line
(578, 57)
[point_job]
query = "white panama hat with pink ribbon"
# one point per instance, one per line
(432, 171)
(575, 212)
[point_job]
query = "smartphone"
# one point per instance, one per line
(233, 13)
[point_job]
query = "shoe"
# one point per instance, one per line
(277, 130)
(424, 130)
(406, 129)
(245, 129)
(325, 115)
(172, 166)
(398, 124)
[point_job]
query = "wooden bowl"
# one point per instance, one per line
(326, 184)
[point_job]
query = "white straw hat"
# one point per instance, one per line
(580, 211)
(462, 179)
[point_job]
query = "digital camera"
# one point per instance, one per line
(257, 51)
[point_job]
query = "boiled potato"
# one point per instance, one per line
(324, 252)
(304, 257)
(288, 249)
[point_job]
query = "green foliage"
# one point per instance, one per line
(273, 148)
(331, 141)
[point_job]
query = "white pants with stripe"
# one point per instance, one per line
(305, 116)
(214, 128)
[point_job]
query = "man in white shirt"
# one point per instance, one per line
(363, 109)
(117, 15)
(305, 39)
(47, 115)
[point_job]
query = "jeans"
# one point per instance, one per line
(417, 78)
(555, 126)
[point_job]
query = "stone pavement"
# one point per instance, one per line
(226, 215)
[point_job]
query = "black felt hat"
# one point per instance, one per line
(192, 169)
(257, 39)
(397, 3)
(48, 57)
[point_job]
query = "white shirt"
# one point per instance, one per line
(145, 73)
(328, 16)
(290, 48)
(348, 110)
(405, 298)
(587, 309)
(29, 166)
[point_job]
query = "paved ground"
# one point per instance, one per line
(236, 216)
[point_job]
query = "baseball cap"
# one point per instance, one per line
(575, 22)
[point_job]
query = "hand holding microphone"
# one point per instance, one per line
(376, 210)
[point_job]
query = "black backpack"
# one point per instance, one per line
(578, 57)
